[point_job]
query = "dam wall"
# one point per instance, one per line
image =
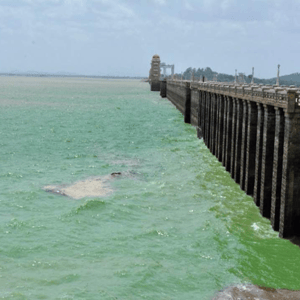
(254, 131)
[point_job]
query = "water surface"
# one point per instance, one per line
(175, 227)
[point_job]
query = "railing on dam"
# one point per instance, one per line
(254, 130)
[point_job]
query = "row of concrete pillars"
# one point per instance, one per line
(258, 144)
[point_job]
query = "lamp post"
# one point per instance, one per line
(277, 82)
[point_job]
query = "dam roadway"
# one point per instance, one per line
(254, 130)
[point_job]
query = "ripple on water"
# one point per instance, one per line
(92, 204)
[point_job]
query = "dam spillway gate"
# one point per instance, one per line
(254, 130)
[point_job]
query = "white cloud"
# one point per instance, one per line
(188, 6)
(226, 4)
(209, 4)
(160, 2)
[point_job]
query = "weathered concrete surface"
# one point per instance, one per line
(277, 168)
(267, 161)
(238, 141)
(258, 157)
(252, 292)
(251, 146)
(187, 104)
(243, 146)
(220, 127)
(176, 94)
(194, 107)
(224, 123)
(163, 88)
(155, 86)
(289, 224)
(228, 133)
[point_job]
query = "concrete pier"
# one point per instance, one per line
(258, 153)
(277, 168)
(254, 131)
(243, 145)
(250, 148)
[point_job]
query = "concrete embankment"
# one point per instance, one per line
(254, 131)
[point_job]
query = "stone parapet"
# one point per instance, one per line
(265, 94)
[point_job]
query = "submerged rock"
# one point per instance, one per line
(93, 187)
(253, 292)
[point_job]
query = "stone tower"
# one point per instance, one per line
(155, 73)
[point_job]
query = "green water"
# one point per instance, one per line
(175, 227)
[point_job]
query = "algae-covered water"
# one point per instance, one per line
(176, 226)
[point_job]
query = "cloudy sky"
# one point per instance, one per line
(119, 37)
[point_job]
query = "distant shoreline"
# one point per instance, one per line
(70, 75)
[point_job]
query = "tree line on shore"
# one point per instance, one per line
(209, 74)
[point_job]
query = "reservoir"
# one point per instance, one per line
(172, 225)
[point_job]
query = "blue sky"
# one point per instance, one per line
(119, 37)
